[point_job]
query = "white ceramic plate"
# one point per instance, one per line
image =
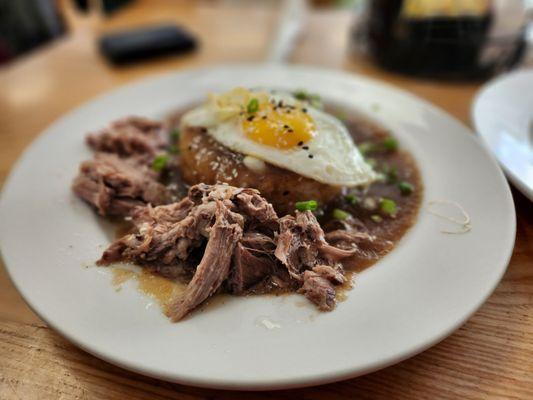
(503, 116)
(420, 293)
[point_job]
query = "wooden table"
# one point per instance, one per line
(491, 356)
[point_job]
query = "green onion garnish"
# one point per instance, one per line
(390, 144)
(376, 218)
(253, 106)
(160, 162)
(406, 188)
(388, 206)
(311, 98)
(386, 145)
(372, 162)
(175, 135)
(309, 205)
(350, 198)
(340, 214)
(365, 147)
(391, 173)
(173, 149)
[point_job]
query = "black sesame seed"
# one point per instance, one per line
(264, 117)
(286, 193)
(286, 126)
(290, 131)
(310, 156)
(300, 143)
(304, 110)
(305, 147)
(250, 118)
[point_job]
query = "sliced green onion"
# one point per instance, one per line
(386, 145)
(388, 206)
(160, 162)
(406, 188)
(342, 115)
(365, 147)
(173, 149)
(175, 135)
(391, 173)
(340, 214)
(253, 106)
(376, 218)
(352, 199)
(311, 98)
(309, 205)
(372, 162)
(390, 144)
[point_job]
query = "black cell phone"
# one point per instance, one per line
(147, 42)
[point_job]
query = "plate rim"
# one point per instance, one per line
(258, 384)
(474, 109)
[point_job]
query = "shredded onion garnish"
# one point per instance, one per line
(465, 224)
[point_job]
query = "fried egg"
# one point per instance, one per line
(283, 131)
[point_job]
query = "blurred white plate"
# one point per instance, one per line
(420, 293)
(503, 116)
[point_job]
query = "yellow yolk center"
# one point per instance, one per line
(280, 127)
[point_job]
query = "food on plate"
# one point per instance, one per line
(252, 192)
(130, 137)
(284, 147)
(203, 159)
(246, 247)
(115, 186)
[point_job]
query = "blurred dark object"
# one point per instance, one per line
(443, 38)
(146, 42)
(26, 24)
(108, 6)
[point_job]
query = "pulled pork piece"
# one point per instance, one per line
(248, 269)
(131, 137)
(215, 265)
(164, 243)
(367, 247)
(333, 274)
(301, 247)
(318, 290)
(114, 186)
(301, 244)
(246, 248)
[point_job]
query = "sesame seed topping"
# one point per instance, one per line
(310, 156)
(305, 147)
(250, 118)
(300, 143)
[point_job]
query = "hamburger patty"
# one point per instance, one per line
(205, 160)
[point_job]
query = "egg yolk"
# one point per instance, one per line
(282, 127)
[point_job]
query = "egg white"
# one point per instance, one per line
(336, 160)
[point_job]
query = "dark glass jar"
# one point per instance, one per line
(446, 42)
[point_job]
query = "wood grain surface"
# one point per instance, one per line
(491, 356)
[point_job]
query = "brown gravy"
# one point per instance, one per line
(397, 166)
(362, 205)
